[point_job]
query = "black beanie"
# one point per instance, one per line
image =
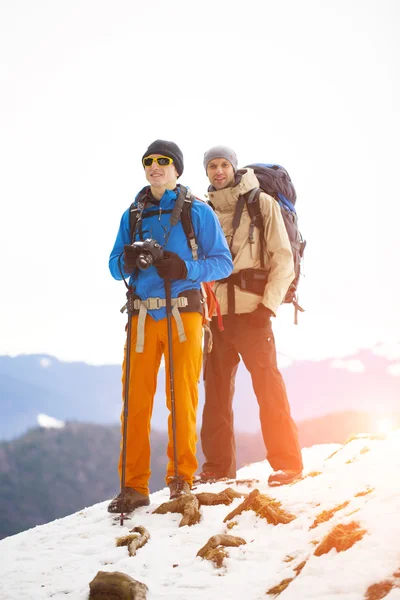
(169, 149)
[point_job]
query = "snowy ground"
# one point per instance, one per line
(61, 558)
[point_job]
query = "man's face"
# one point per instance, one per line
(161, 176)
(220, 173)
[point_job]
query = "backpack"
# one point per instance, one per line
(275, 181)
(182, 211)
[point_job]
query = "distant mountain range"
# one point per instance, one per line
(49, 473)
(72, 391)
(75, 391)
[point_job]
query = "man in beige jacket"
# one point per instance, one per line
(247, 329)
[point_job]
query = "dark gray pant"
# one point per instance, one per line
(256, 346)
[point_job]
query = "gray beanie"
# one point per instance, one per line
(221, 152)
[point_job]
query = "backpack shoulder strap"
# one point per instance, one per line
(251, 200)
(179, 202)
(256, 218)
(135, 211)
(183, 211)
(237, 217)
(187, 225)
(253, 206)
(133, 220)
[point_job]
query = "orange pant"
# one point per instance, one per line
(187, 357)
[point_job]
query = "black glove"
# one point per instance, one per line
(171, 266)
(130, 256)
(261, 317)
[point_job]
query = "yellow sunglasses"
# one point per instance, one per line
(162, 161)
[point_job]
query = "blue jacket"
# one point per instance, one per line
(214, 260)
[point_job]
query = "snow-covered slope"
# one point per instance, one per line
(359, 482)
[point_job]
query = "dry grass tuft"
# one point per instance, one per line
(300, 567)
(265, 507)
(366, 436)
(187, 505)
(224, 497)
(358, 436)
(335, 452)
(325, 515)
(278, 589)
(137, 538)
(124, 540)
(341, 537)
(383, 588)
(364, 493)
(217, 556)
(214, 549)
(379, 590)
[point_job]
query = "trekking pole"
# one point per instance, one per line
(167, 285)
(129, 307)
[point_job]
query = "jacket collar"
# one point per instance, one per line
(146, 197)
(227, 198)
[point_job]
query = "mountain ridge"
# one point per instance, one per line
(88, 393)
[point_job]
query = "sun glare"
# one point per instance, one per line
(385, 425)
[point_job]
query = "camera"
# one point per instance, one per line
(148, 252)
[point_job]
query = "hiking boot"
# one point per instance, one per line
(283, 477)
(127, 501)
(178, 487)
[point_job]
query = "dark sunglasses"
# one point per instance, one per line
(162, 161)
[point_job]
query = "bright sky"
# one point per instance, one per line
(58, 560)
(86, 85)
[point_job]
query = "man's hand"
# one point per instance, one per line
(171, 266)
(130, 256)
(261, 317)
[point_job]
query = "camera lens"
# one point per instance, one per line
(144, 261)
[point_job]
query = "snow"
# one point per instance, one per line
(59, 559)
(45, 363)
(48, 422)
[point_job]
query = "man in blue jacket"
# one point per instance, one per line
(207, 259)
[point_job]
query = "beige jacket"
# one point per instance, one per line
(277, 250)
